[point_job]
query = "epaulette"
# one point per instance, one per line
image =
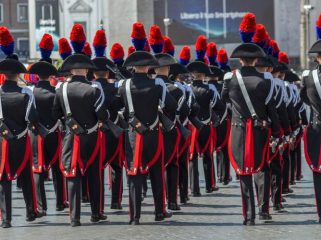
(228, 76)
(268, 75)
(305, 73)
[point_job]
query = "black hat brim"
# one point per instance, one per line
(248, 50)
(215, 72)
(198, 67)
(316, 47)
(103, 64)
(291, 77)
(43, 69)
(11, 66)
(77, 61)
(177, 69)
(140, 59)
(165, 60)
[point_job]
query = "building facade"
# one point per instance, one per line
(14, 15)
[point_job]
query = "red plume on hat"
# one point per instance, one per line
(156, 39)
(318, 27)
(283, 57)
(130, 50)
(64, 48)
(46, 46)
(87, 50)
(168, 46)
(117, 53)
(275, 48)
(147, 48)
(100, 43)
(260, 35)
(6, 41)
(211, 53)
(247, 27)
(200, 47)
(222, 58)
(77, 38)
(185, 55)
(138, 36)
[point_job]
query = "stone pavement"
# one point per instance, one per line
(212, 216)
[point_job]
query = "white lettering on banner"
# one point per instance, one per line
(213, 15)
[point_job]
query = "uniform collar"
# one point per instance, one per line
(140, 75)
(248, 70)
(77, 78)
(197, 81)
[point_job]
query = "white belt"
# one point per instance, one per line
(151, 127)
(206, 121)
(93, 129)
(22, 134)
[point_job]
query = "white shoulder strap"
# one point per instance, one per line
(65, 98)
(316, 80)
(160, 82)
(245, 94)
(30, 102)
(129, 97)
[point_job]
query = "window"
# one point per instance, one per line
(22, 12)
(1, 12)
(23, 44)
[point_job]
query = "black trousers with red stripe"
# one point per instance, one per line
(298, 163)
(94, 188)
(223, 165)
(116, 182)
(172, 172)
(286, 170)
(276, 180)
(247, 193)
(209, 172)
(183, 175)
(135, 190)
(58, 181)
(25, 179)
(317, 189)
(262, 181)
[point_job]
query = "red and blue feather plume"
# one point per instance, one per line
(260, 37)
(100, 43)
(130, 50)
(6, 41)
(87, 50)
(184, 55)
(117, 53)
(169, 47)
(211, 53)
(77, 38)
(318, 27)
(64, 48)
(138, 36)
(247, 27)
(200, 47)
(275, 48)
(283, 57)
(147, 48)
(222, 59)
(46, 46)
(156, 39)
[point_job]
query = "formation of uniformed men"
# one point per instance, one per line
(155, 116)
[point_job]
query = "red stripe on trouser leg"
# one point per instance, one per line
(249, 147)
(4, 155)
(34, 196)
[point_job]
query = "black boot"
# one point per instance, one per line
(75, 223)
(6, 224)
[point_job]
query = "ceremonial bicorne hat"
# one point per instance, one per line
(140, 58)
(103, 64)
(43, 68)
(316, 47)
(198, 67)
(12, 66)
(248, 50)
(165, 60)
(215, 72)
(291, 77)
(176, 69)
(77, 61)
